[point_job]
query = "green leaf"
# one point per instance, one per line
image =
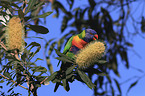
(30, 5)
(38, 59)
(129, 44)
(101, 61)
(10, 89)
(86, 79)
(42, 16)
(51, 77)
(112, 90)
(51, 48)
(56, 86)
(2, 81)
(7, 75)
(65, 85)
(50, 67)
(63, 59)
(132, 85)
(39, 69)
(20, 13)
(70, 69)
(102, 74)
(118, 86)
(33, 44)
(39, 29)
(62, 55)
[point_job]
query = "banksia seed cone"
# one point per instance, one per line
(15, 34)
(90, 54)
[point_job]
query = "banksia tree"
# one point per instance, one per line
(15, 34)
(90, 54)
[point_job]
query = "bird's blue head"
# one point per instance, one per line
(90, 35)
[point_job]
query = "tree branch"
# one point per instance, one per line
(13, 81)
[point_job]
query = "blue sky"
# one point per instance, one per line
(80, 89)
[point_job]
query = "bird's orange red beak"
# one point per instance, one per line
(95, 37)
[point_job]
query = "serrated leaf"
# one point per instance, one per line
(64, 83)
(42, 16)
(39, 29)
(70, 69)
(30, 5)
(86, 79)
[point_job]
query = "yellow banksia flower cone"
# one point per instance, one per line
(15, 34)
(90, 54)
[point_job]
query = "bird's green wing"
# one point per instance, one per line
(68, 45)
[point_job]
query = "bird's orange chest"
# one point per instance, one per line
(78, 42)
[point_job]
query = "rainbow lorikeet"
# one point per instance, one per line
(79, 41)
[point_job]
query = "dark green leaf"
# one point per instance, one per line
(1, 87)
(39, 69)
(86, 79)
(50, 67)
(10, 89)
(39, 29)
(101, 74)
(42, 16)
(51, 48)
(129, 44)
(63, 59)
(7, 75)
(132, 85)
(51, 77)
(118, 86)
(33, 44)
(70, 69)
(38, 85)
(30, 5)
(112, 89)
(20, 13)
(38, 59)
(56, 86)
(65, 85)
(101, 61)
(62, 55)
(2, 81)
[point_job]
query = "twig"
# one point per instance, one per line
(24, 4)
(43, 80)
(13, 81)
(2, 44)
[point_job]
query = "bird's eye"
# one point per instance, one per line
(91, 33)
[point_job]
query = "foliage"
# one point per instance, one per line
(20, 68)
